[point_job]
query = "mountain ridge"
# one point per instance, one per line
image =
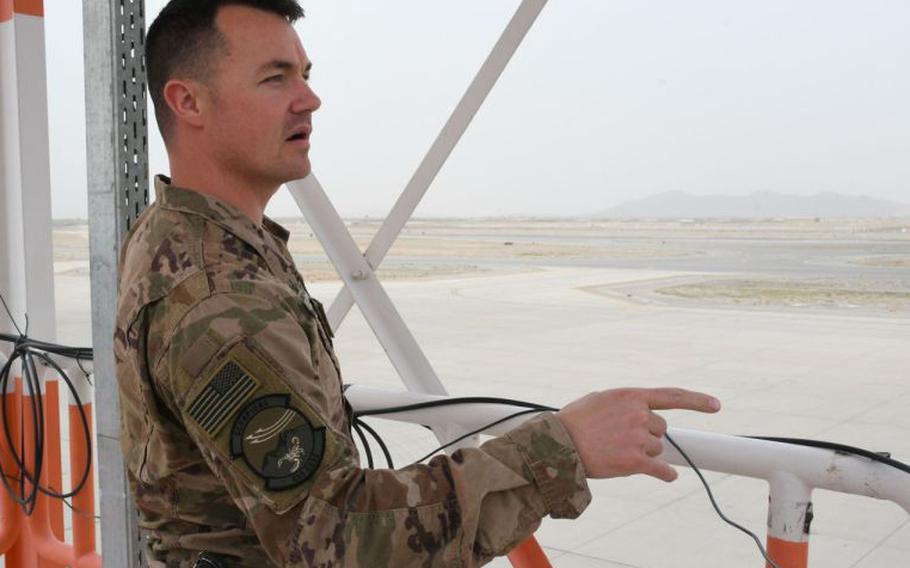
(756, 205)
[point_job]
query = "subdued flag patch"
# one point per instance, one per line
(226, 390)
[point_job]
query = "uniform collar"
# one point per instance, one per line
(219, 212)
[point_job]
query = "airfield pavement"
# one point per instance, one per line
(549, 311)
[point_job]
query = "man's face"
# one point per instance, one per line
(260, 114)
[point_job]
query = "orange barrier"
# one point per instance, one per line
(788, 554)
(10, 514)
(529, 554)
(30, 7)
(20, 553)
(38, 540)
(84, 501)
(52, 474)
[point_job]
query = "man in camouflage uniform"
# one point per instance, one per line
(236, 433)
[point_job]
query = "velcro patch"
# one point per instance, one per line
(227, 388)
(268, 434)
(277, 442)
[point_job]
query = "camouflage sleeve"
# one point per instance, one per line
(248, 380)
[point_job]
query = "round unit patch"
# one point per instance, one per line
(277, 442)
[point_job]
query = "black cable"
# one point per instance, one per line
(10, 313)
(27, 350)
(363, 442)
(17, 495)
(453, 402)
(531, 407)
(758, 543)
(37, 404)
(839, 448)
(86, 430)
(80, 512)
(385, 450)
(87, 375)
(66, 502)
(38, 425)
(474, 432)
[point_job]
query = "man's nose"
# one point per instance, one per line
(307, 99)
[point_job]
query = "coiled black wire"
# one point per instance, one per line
(28, 351)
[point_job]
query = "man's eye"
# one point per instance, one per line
(275, 78)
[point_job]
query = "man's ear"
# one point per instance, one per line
(187, 100)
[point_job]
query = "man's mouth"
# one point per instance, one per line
(299, 134)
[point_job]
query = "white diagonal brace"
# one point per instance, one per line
(442, 147)
(378, 309)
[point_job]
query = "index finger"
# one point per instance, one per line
(670, 398)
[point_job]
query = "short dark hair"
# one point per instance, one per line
(183, 38)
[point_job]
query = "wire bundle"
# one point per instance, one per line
(29, 352)
(358, 422)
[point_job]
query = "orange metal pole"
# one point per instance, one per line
(37, 545)
(10, 514)
(52, 476)
(788, 554)
(50, 551)
(23, 552)
(84, 501)
(529, 554)
(29, 7)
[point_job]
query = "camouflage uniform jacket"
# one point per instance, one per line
(235, 429)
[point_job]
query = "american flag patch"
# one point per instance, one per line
(227, 390)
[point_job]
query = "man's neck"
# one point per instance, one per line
(248, 197)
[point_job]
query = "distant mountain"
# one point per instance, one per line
(761, 204)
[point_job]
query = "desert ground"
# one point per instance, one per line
(800, 327)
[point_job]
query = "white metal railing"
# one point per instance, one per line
(792, 471)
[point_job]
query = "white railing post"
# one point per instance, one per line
(789, 517)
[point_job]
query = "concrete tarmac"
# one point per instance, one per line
(541, 336)
(551, 329)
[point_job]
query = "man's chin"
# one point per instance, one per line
(299, 172)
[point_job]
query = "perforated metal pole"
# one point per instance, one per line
(117, 156)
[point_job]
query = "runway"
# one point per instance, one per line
(567, 309)
(540, 336)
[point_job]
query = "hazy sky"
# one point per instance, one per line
(606, 100)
